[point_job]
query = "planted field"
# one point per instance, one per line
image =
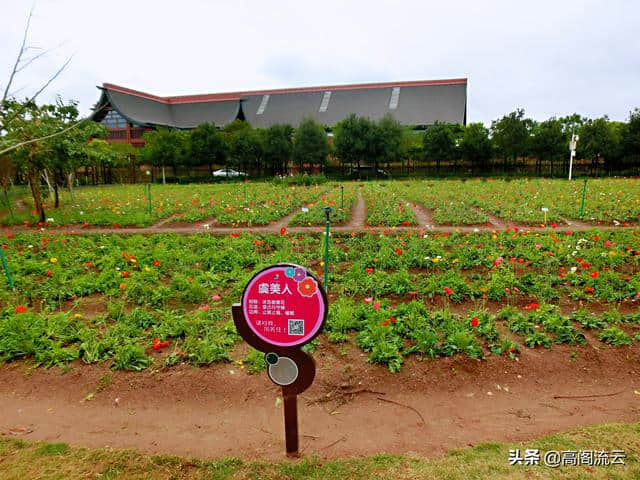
(313, 214)
(387, 206)
(108, 298)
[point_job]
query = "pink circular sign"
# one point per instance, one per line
(284, 305)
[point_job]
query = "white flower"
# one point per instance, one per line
(205, 226)
(426, 235)
(476, 230)
(29, 246)
(50, 220)
(573, 269)
(574, 253)
(305, 209)
(545, 209)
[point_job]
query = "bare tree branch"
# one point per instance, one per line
(19, 57)
(51, 79)
(29, 61)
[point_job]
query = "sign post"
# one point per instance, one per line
(283, 308)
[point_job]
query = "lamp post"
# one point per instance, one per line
(572, 151)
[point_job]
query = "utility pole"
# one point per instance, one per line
(572, 151)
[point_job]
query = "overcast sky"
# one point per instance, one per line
(552, 58)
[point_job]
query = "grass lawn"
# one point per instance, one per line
(26, 460)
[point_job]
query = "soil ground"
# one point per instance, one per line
(353, 409)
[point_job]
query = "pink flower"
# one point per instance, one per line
(368, 300)
(215, 297)
(204, 308)
(376, 306)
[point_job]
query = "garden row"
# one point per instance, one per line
(397, 293)
(452, 202)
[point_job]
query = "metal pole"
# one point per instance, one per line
(570, 163)
(291, 423)
(6, 198)
(327, 211)
(341, 196)
(6, 268)
(148, 188)
(584, 196)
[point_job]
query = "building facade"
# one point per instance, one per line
(128, 113)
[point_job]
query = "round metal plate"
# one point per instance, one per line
(284, 371)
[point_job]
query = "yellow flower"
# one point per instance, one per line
(53, 260)
(495, 237)
(612, 253)
(435, 260)
(78, 315)
(455, 260)
(147, 269)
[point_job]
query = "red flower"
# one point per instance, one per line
(568, 232)
(116, 226)
(475, 322)
(307, 287)
(49, 273)
(125, 274)
(585, 265)
(594, 274)
(369, 269)
(21, 309)
(589, 289)
(156, 263)
(392, 319)
(385, 323)
(413, 293)
(88, 264)
(235, 234)
(448, 291)
(5, 246)
(398, 251)
(554, 225)
(283, 231)
(258, 242)
(532, 306)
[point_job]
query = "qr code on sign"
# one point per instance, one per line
(296, 327)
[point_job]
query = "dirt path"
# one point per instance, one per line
(428, 408)
(423, 215)
(496, 222)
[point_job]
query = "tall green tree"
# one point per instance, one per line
(388, 139)
(245, 146)
(548, 143)
(476, 148)
(439, 143)
(353, 140)
(208, 146)
(278, 148)
(310, 145)
(166, 147)
(510, 136)
(599, 142)
(630, 138)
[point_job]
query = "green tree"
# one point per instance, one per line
(599, 141)
(352, 139)
(388, 140)
(245, 146)
(278, 148)
(510, 136)
(475, 147)
(439, 143)
(208, 146)
(548, 143)
(630, 138)
(36, 134)
(165, 148)
(310, 145)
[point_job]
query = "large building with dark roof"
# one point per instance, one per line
(128, 113)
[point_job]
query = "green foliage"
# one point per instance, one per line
(615, 336)
(310, 145)
(439, 143)
(255, 361)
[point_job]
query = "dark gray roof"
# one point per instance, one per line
(418, 103)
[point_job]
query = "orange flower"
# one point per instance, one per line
(122, 286)
(307, 287)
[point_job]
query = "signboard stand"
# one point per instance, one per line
(283, 308)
